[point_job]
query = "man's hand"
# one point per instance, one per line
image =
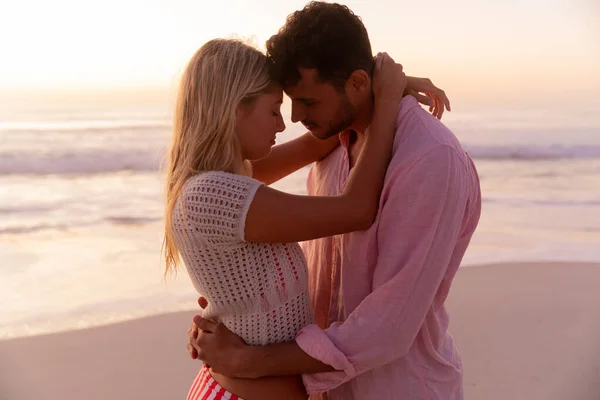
(428, 94)
(227, 354)
(215, 345)
(219, 348)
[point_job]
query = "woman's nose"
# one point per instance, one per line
(280, 124)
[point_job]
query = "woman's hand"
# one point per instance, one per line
(389, 82)
(428, 94)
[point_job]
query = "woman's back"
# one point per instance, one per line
(258, 290)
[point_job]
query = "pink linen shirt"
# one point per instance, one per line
(378, 295)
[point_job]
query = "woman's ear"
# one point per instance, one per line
(240, 113)
(247, 168)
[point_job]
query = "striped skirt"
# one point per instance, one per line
(206, 388)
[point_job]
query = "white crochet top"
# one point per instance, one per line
(258, 290)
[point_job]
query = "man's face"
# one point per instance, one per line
(322, 109)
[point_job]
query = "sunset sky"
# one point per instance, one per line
(537, 46)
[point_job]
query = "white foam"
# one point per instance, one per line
(522, 152)
(81, 162)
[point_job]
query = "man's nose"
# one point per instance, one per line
(298, 113)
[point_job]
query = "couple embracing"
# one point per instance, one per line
(393, 200)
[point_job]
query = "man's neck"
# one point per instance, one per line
(356, 141)
(359, 127)
(363, 117)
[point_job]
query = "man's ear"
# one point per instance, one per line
(358, 82)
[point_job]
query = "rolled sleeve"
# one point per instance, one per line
(315, 342)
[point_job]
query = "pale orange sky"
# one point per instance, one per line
(516, 46)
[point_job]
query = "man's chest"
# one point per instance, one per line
(340, 266)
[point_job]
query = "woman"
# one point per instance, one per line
(237, 241)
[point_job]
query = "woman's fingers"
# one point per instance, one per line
(421, 98)
(436, 108)
(439, 107)
(446, 101)
(202, 302)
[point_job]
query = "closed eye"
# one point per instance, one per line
(307, 102)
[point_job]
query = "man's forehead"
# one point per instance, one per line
(308, 75)
(307, 86)
(299, 93)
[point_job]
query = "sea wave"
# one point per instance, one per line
(79, 163)
(51, 226)
(85, 126)
(525, 202)
(522, 152)
(100, 161)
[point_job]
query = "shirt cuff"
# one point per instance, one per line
(315, 342)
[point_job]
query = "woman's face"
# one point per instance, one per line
(258, 124)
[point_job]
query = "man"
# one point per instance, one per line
(378, 295)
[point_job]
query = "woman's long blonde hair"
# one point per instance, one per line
(222, 74)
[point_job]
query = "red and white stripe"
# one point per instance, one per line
(205, 387)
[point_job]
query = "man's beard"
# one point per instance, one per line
(344, 118)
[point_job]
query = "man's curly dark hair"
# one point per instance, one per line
(326, 36)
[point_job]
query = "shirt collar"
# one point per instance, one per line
(407, 103)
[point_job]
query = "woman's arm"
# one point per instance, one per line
(427, 94)
(291, 156)
(275, 216)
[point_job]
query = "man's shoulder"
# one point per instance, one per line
(420, 133)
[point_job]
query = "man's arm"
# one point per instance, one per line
(227, 354)
(420, 224)
(279, 359)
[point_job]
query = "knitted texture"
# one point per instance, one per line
(258, 290)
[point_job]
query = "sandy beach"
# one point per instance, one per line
(525, 332)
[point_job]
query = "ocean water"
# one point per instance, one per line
(81, 202)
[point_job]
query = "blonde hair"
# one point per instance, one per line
(222, 74)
